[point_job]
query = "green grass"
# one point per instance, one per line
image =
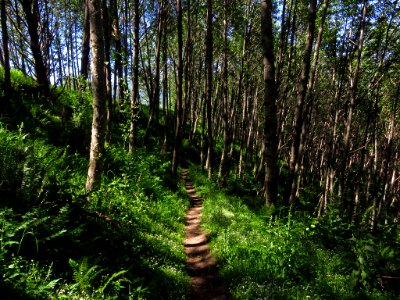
(126, 241)
(55, 245)
(271, 256)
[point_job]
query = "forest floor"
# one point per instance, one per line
(202, 267)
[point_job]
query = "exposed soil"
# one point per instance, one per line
(201, 266)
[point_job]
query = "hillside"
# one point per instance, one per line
(125, 240)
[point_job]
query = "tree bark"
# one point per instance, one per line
(270, 122)
(99, 97)
(31, 11)
(107, 58)
(119, 57)
(209, 86)
(135, 79)
(299, 112)
(310, 92)
(224, 164)
(85, 43)
(155, 93)
(353, 95)
(178, 112)
(6, 60)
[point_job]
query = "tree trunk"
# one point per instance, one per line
(178, 112)
(187, 67)
(31, 11)
(135, 79)
(299, 112)
(155, 93)
(209, 86)
(119, 56)
(310, 92)
(165, 95)
(107, 55)
(85, 43)
(270, 123)
(99, 97)
(223, 167)
(353, 95)
(6, 60)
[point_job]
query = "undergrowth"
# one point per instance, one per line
(123, 241)
(267, 255)
(126, 242)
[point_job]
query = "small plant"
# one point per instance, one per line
(86, 277)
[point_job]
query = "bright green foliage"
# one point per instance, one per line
(125, 243)
(263, 255)
(55, 244)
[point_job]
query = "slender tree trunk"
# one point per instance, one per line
(135, 79)
(31, 11)
(99, 97)
(85, 43)
(299, 112)
(223, 167)
(165, 95)
(119, 56)
(6, 60)
(310, 93)
(270, 122)
(178, 112)
(188, 60)
(209, 86)
(353, 96)
(155, 94)
(107, 54)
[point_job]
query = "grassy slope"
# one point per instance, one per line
(53, 242)
(291, 255)
(55, 245)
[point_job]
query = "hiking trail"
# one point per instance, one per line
(201, 266)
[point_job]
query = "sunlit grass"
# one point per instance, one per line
(274, 257)
(58, 232)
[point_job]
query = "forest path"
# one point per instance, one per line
(201, 266)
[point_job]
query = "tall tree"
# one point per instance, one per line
(178, 109)
(85, 42)
(223, 167)
(301, 96)
(99, 96)
(209, 86)
(6, 58)
(352, 93)
(119, 55)
(155, 93)
(270, 122)
(135, 77)
(32, 16)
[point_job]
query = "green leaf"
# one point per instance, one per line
(364, 275)
(112, 277)
(51, 284)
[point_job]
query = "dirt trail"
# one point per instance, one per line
(201, 266)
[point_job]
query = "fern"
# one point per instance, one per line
(83, 276)
(111, 279)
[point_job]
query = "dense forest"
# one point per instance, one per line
(284, 114)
